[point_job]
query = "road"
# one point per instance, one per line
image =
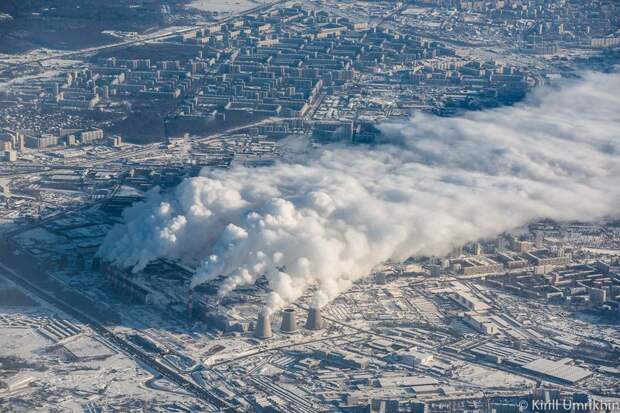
(439, 351)
(124, 155)
(143, 39)
(276, 348)
(116, 341)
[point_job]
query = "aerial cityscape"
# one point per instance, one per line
(310, 206)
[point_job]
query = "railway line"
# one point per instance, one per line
(118, 342)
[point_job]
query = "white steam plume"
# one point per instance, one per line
(329, 218)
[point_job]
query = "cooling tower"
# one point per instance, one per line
(289, 321)
(263, 326)
(314, 321)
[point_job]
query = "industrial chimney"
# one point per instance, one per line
(314, 321)
(289, 321)
(190, 303)
(263, 325)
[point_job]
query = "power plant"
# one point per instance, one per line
(289, 321)
(263, 326)
(314, 322)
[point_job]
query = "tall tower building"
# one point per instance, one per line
(540, 237)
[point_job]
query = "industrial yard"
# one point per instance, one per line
(310, 207)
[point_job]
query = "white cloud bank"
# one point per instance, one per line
(329, 218)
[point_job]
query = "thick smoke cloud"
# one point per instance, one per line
(328, 217)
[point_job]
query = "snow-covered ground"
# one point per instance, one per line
(223, 6)
(481, 376)
(72, 371)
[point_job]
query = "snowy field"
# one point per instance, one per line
(47, 366)
(223, 6)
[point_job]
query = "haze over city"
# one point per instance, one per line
(352, 206)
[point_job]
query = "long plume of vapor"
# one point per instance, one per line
(329, 217)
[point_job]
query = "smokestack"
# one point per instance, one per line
(263, 326)
(207, 309)
(314, 321)
(289, 321)
(190, 303)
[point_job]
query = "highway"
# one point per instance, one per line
(144, 39)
